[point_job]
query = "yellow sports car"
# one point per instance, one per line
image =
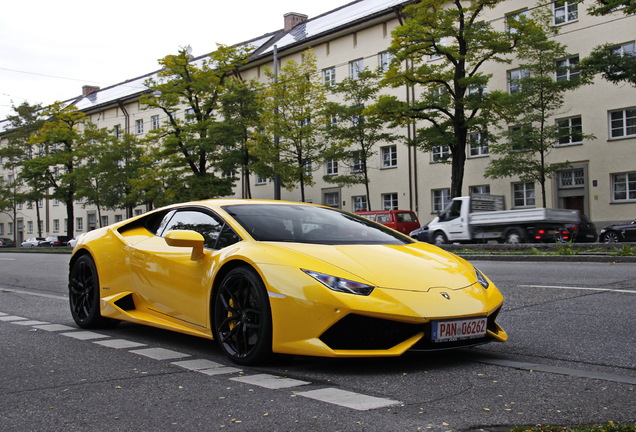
(265, 277)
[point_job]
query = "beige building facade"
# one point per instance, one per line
(601, 181)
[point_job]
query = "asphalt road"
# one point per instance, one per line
(571, 359)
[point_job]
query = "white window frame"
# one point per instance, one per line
(139, 126)
(627, 49)
(480, 189)
(514, 76)
(622, 123)
(260, 180)
(154, 122)
(357, 162)
(384, 60)
(390, 201)
(571, 178)
(329, 76)
(477, 145)
(355, 67)
(331, 198)
(79, 224)
(565, 12)
(389, 156)
(359, 203)
(523, 195)
(624, 187)
(567, 69)
(514, 16)
(440, 154)
(331, 167)
(573, 130)
(441, 199)
(56, 225)
(442, 43)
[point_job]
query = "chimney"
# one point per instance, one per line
(87, 89)
(292, 19)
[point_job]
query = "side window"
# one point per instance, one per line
(213, 229)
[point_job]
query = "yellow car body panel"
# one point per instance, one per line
(414, 284)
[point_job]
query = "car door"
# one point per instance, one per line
(630, 232)
(171, 282)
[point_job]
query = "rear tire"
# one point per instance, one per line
(83, 295)
(439, 238)
(513, 237)
(610, 237)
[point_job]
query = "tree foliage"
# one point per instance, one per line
(525, 149)
(293, 121)
(355, 132)
(188, 93)
(441, 49)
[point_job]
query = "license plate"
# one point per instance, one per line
(446, 331)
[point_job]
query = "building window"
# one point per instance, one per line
(384, 60)
(357, 161)
(390, 201)
(572, 178)
(355, 67)
(260, 180)
(440, 154)
(480, 189)
(29, 227)
(477, 144)
(117, 131)
(359, 203)
(625, 50)
(520, 137)
(329, 76)
(570, 131)
(565, 11)
(441, 43)
(154, 122)
(1, 228)
(568, 69)
(513, 18)
(523, 194)
(56, 225)
(331, 167)
(441, 199)
(138, 212)
(79, 224)
(514, 79)
(389, 156)
(189, 115)
(118, 218)
(104, 221)
(624, 186)
(139, 127)
(331, 199)
(41, 203)
(9, 228)
(623, 123)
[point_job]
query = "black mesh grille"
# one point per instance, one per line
(356, 332)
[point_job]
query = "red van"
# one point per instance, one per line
(404, 221)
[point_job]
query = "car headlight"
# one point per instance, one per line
(481, 278)
(339, 284)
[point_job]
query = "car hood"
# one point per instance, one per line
(414, 267)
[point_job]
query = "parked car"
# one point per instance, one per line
(6, 242)
(584, 231)
(55, 241)
(403, 221)
(72, 242)
(621, 232)
(32, 242)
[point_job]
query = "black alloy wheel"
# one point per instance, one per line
(242, 317)
(83, 294)
(610, 237)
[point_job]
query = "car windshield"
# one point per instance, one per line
(310, 224)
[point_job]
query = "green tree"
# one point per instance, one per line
(293, 122)
(615, 63)
(188, 92)
(26, 120)
(440, 50)
(58, 140)
(539, 91)
(355, 132)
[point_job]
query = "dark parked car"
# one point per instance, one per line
(621, 232)
(55, 241)
(6, 242)
(582, 231)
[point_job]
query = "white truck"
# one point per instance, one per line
(481, 217)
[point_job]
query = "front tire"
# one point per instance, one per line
(83, 295)
(242, 317)
(610, 237)
(439, 238)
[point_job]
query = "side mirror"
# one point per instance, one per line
(187, 238)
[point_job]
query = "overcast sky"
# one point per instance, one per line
(50, 49)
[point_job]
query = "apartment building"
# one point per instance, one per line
(601, 181)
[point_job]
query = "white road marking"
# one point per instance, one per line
(11, 318)
(119, 343)
(84, 335)
(219, 371)
(160, 353)
(37, 294)
(30, 322)
(577, 288)
(348, 399)
(198, 364)
(270, 381)
(54, 327)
